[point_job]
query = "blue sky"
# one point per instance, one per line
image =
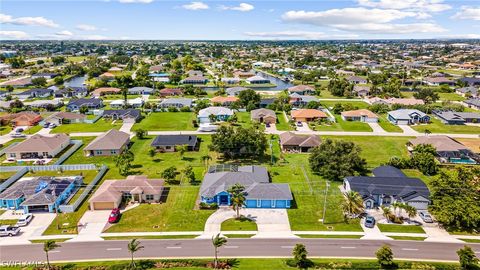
(239, 20)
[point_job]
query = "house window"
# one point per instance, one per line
(45, 154)
(113, 152)
(168, 147)
(12, 155)
(149, 197)
(99, 152)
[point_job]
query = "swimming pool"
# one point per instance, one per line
(462, 161)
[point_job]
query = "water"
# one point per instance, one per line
(78, 81)
(462, 161)
(280, 84)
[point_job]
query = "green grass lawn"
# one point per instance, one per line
(400, 228)
(386, 125)
(167, 121)
(451, 97)
(244, 119)
(352, 125)
(100, 126)
(330, 236)
(438, 127)
(282, 123)
(76, 59)
(409, 238)
(33, 130)
(190, 236)
(5, 130)
(356, 104)
(119, 96)
(242, 224)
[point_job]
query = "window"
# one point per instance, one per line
(113, 152)
(149, 197)
(99, 152)
(168, 147)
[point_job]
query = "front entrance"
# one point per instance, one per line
(223, 199)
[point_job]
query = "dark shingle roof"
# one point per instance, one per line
(163, 140)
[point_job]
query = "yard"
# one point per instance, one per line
(167, 121)
(100, 126)
(386, 125)
(357, 104)
(242, 224)
(438, 127)
(400, 228)
(5, 130)
(342, 125)
(282, 122)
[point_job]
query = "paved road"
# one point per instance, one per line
(197, 248)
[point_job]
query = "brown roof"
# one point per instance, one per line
(289, 138)
(111, 190)
(301, 88)
(110, 140)
(171, 91)
(219, 99)
(256, 114)
(68, 115)
(308, 113)
(99, 91)
(440, 142)
(40, 143)
(107, 74)
(361, 112)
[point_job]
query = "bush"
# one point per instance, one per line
(208, 206)
(185, 109)
(385, 257)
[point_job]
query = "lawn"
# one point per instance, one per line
(386, 125)
(282, 122)
(438, 127)
(400, 228)
(119, 96)
(408, 238)
(76, 59)
(330, 236)
(242, 224)
(33, 130)
(357, 104)
(244, 119)
(5, 130)
(167, 121)
(451, 97)
(352, 125)
(100, 126)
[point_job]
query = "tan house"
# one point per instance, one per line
(136, 187)
(39, 146)
(307, 115)
(112, 142)
(263, 116)
(59, 118)
(290, 142)
(362, 115)
(22, 119)
(224, 101)
(105, 91)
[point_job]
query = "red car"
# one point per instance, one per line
(114, 216)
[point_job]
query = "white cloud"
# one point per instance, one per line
(464, 36)
(86, 27)
(196, 6)
(387, 28)
(243, 7)
(13, 34)
(136, 1)
(419, 5)
(34, 21)
(298, 35)
(65, 33)
(468, 13)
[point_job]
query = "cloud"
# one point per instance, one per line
(64, 33)
(297, 35)
(135, 1)
(468, 13)
(243, 7)
(33, 21)
(419, 5)
(13, 34)
(464, 36)
(196, 6)
(86, 27)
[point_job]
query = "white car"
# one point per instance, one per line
(8, 230)
(24, 220)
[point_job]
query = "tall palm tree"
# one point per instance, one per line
(134, 246)
(387, 212)
(49, 245)
(205, 159)
(353, 203)
(397, 205)
(218, 241)
(411, 211)
(237, 197)
(182, 149)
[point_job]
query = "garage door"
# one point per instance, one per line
(266, 204)
(419, 205)
(103, 205)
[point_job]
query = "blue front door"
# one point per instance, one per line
(223, 199)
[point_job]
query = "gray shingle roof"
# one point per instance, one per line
(163, 140)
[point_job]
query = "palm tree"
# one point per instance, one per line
(182, 149)
(237, 197)
(387, 212)
(205, 159)
(397, 205)
(134, 246)
(49, 245)
(411, 211)
(217, 241)
(353, 203)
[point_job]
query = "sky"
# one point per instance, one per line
(238, 20)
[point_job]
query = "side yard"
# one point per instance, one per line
(167, 121)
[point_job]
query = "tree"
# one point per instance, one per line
(300, 254)
(428, 95)
(205, 159)
(124, 162)
(385, 257)
(181, 149)
(423, 159)
(133, 246)
(151, 152)
(411, 211)
(189, 174)
(48, 246)
(217, 242)
(39, 82)
(237, 193)
(170, 173)
(467, 258)
(386, 212)
(335, 160)
(141, 133)
(249, 99)
(352, 204)
(212, 118)
(234, 142)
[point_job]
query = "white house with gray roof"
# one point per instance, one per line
(407, 117)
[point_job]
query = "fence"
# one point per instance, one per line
(72, 207)
(72, 167)
(91, 121)
(13, 178)
(76, 144)
(4, 150)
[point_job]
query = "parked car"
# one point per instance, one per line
(114, 216)
(52, 125)
(18, 135)
(19, 130)
(299, 124)
(267, 125)
(39, 162)
(369, 222)
(426, 217)
(46, 125)
(24, 220)
(8, 230)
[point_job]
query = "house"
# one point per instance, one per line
(137, 188)
(107, 76)
(235, 91)
(89, 103)
(35, 93)
(243, 74)
(407, 117)
(18, 83)
(448, 149)
(220, 113)
(297, 100)
(44, 103)
(224, 101)
(257, 80)
(105, 91)
(126, 115)
(40, 194)
(60, 118)
(264, 102)
(68, 92)
(307, 115)
(473, 103)
(399, 101)
(264, 116)
(26, 118)
(457, 118)
(362, 115)
(112, 142)
(259, 191)
(195, 80)
(302, 90)
(290, 142)
(38, 147)
(361, 90)
(468, 91)
(471, 81)
(140, 90)
(160, 77)
(231, 80)
(387, 186)
(4, 94)
(170, 92)
(46, 75)
(168, 143)
(356, 80)
(437, 81)
(195, 73)
(134, 103)
(176, 102)
(344, 72)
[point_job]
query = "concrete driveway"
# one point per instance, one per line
(126, 127)
(35, 228)
(92, 224)
(303, 128)
(376, 127)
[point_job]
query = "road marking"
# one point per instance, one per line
(412, 249)
(230, 247)
(112, 249)
(174, 247)
(287, 247)
(54, 251)
(348, 247)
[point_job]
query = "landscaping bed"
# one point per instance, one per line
(241, 224)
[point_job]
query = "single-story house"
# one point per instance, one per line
(437, 81)
(257, 80)
(138, 188)
(112, 142)
(291, 142)
(18, 83)
(307, 115)
(134, 103)
(356, 80)
(195, 80)
(220, 113)
(167, 143)
(107, 76)
(46, 75)
(44, 103)
(361, 90)
(35, 93)
(407, 117)
(263, 116)
(40, 194)
(297, 100)
(25, 118)
(140, 90)
(389, 185)
(259, 191)
(302, 90)
(234, 91)
(38, 147)
(60, 118)
(195, 73)
(70, 91)
(391, 101)
(224, 101)
(89, 103)
(448, 150)
(176, 102)
(457, 118)
(170, 92)
(127, 115)
(105, 91)
(243, 74)
(233, 80)
(160, 77)
(472, 81)
(469, 90)
(473, 103)
(362, 115)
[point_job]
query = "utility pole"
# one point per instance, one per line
(325, 201)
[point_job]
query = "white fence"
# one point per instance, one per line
(76, 144)
(72, 167)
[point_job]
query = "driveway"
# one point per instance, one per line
(35, 228)
(271, 129)
(409, 130)
(44, 131)
(92, 224)
(126, 127)
(376, 127)
(303, 128)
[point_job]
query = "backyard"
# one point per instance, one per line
(167, 121)
(100, 125)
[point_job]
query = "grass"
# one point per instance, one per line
(5, 175)
(333, 236)
(400, 228)
(242, 224)
(33, 130)
(238, 235)
(342, 125)
(409, 238)
(190, 236)
(8, 221)
(470, 240)
(76, 59)
(167, 121)
(57, 240)
(438, 127)
(386, 125)
(119, 96)
(5, 130)
(100, 126)
(450, 97)
(282, 122)
(244, 119)
(356, 104)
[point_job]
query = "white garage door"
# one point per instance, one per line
(420, 205)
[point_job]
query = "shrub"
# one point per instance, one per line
(385, 257)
